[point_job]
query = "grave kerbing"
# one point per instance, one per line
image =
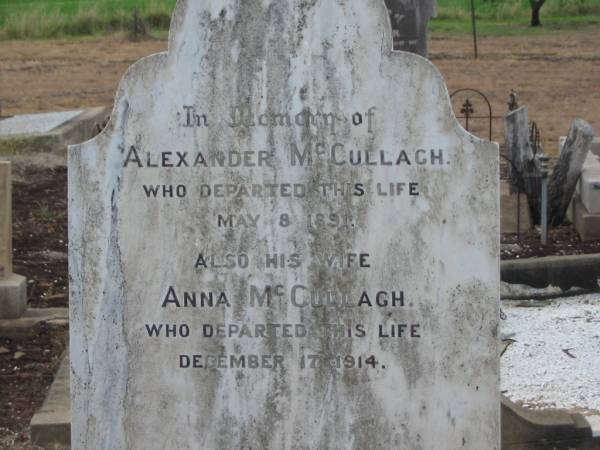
(13, 287)
(225, 176)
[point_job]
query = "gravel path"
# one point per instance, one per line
(555, 359)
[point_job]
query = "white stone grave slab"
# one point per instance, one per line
(36, 123)
(284, 240)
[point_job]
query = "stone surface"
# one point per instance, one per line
(31, 318)
(586, 223)
(595, 148)
(542, 430)
(285, 202)
(51, 425)
(514, 211)
(589, 185)
(13, 288)
(5, 220)
(409, 20)
(13, 296)
(23, 140)
(563, 271)
(566, 173)
(36, 123)
(524, 171)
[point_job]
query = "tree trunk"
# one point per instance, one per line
(536, 7)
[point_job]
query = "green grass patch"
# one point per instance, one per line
(512, 17)
(36, 19)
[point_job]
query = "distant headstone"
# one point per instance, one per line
(409, 24)
(284, 240)
(568, 169)
(524, 168)
(13, 288)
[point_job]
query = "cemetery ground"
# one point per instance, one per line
(557, 77)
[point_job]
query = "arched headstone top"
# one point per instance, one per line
(283, 240)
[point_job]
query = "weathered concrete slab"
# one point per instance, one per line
(32, 317)
(36, 123)
(563, 271)
(276, 141)
(13, 296)
(523, 429)
(51, 132)
(51, 425)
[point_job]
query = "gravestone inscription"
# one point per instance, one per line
(269, 250)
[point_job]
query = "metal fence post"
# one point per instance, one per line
(543, 158)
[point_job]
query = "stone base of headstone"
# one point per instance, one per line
(13, 297)
(522, 429)
(515, 215)
(49, 132)
(51, 425)
(586, 223)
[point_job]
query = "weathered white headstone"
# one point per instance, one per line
(284, 240)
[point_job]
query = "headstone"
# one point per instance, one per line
(567, 171)
(409, 24)
(523, 168)
(13, 288)
(594, 149)
(284, 240)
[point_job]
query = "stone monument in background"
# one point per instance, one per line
(283, 239)
(409, 24)
(13, 288)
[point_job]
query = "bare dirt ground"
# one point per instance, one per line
(557, 76)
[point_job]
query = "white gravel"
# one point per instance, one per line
(537, 370)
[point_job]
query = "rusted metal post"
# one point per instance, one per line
(543, 158)
(474, 28)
